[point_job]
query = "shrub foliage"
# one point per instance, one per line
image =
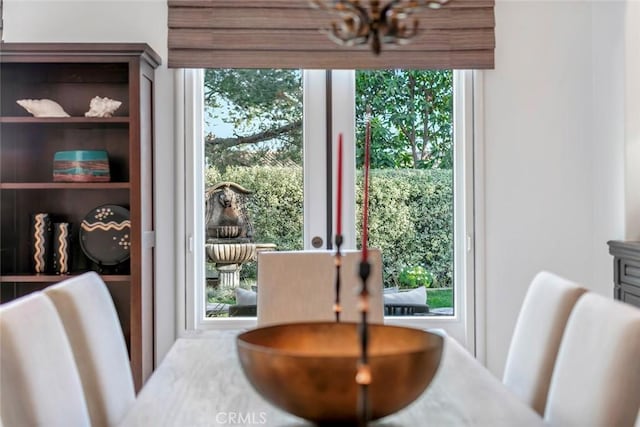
(410, 220)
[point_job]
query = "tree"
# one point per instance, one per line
(264, 107)
(411, 123)
(411, 118)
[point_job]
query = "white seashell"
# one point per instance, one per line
(102, 107)
(42, 107)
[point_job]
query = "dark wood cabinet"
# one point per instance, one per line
(72, 74)
(626, 271)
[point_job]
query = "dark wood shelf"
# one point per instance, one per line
(65, 186)
(64, 120)
(72, 74)
(53, 278)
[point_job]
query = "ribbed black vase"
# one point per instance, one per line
(61, 247)
(41, 238)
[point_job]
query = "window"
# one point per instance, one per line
(253, 138)
(272, 126)
(411, 201)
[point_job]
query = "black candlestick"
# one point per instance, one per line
(363, 375)
(337, 308)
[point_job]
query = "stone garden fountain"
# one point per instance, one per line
(229, 241)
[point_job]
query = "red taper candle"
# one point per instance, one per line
(339, 204)
(365, 202)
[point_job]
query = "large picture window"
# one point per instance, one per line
(259, 128)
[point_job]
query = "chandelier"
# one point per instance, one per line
(390, 22)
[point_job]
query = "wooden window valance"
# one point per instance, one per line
(287, 34)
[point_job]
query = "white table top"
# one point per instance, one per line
(201, 383)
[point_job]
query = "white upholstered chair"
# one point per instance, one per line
(596, 380)
(537, 335)
(39, 382)
(299, 286)
(91, 322)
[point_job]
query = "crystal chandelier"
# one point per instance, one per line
(390, 22)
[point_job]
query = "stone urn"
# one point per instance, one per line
(229, 232)
(229, 257)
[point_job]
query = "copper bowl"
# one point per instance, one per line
(308, 369)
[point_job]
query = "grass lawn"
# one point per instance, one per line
(437, 298)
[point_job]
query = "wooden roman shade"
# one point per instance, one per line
(286, 34)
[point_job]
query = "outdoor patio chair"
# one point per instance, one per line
(405, 302)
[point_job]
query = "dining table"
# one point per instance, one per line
(200, 382)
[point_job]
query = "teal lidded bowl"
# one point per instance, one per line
(81, 166)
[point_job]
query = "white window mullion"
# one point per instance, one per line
(343, 118)
(479, 284)
(184, 291)
(464, 283)
(194, 197)
(314, 152)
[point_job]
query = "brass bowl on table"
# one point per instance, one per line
(308, 369)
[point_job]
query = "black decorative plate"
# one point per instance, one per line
(105, 235)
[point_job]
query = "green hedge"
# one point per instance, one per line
(411, 215)
(411, 221)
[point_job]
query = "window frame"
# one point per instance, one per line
(468, 320)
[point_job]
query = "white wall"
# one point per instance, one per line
(554, 138)
(632, 121)
(608, 122)
(554, 152)
(120, 21)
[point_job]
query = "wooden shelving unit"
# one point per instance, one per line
(92, 121)
(72, 74)
(53, 278)
(64, 186)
